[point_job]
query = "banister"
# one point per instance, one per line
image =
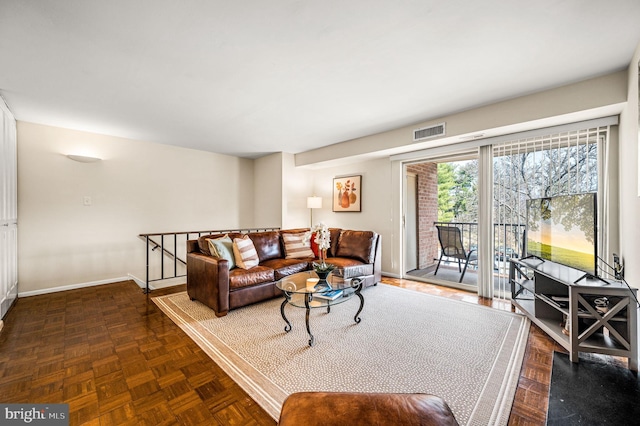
(173, 255)
(166, 252)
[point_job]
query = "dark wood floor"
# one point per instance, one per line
(116, 359)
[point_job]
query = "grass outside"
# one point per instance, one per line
(576, 259)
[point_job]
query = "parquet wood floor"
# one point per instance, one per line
(116, 359)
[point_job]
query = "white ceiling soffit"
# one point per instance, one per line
(463, 148)
(254, 77)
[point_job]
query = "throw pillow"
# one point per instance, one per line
(294, 247)
(245, 252)
(223, 248)
(314, 246)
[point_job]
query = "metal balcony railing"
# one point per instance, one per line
(508, 238)
(508, 243)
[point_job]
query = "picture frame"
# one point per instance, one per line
(347, 194)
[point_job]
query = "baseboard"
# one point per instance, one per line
(390, 275)
(71, 287)
(141, 283)
(138, 281)
(169, 282)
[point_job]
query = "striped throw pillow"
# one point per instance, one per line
(294, 248)
(245, 253)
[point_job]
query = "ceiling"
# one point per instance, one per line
(252, 77)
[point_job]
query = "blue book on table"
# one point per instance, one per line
(330, 295)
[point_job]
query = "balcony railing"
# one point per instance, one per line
(508, 242)
(508, 238)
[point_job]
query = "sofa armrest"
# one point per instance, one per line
(349, 408)
(377, 262)
(192, 246)
(208, 281)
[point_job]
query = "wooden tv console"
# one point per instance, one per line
(549, 294)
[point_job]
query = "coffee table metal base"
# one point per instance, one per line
(356, 284)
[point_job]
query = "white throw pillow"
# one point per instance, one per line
(294, 247)
(245, 253)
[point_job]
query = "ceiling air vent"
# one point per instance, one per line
(428, 132)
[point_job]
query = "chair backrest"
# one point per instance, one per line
(451, 241)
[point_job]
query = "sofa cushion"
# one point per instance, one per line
(350, 268)
(245, 253)
(285, 267)
(314, 246)
(335, 236)
(267, 244)
(223, 248)
(239, 278)
(358, 245)
(294, 247)
(203, 241)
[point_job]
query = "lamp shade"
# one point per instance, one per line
(314, 202)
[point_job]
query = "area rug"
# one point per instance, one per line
(592, 392)
(407, 342)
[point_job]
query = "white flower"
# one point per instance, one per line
(323, 236)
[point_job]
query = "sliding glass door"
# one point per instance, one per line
(557, 164)
(483, 193)
(442, 195)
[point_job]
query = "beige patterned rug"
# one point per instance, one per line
(407, 341)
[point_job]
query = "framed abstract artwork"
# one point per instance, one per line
(347, 194)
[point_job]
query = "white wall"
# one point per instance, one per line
(296, 187)
(375, 193)
(281, 191)
(138, 187)
(630, 178)
(268, 191)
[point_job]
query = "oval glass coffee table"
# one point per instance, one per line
(305, 290)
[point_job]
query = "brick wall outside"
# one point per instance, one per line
(427, 177)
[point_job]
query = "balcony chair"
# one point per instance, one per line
(451, 246)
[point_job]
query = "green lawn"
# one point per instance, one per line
(576, 259)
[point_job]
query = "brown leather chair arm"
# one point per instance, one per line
(208, 281)
(355, 409)
(192, 246)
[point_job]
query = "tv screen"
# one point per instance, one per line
(562, 229)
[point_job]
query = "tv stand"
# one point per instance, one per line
(551, 295)
(591, 277)
(533, 256)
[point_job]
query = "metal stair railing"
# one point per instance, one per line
(171, 250)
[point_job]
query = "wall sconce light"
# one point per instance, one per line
(313, 203)
(83, 159)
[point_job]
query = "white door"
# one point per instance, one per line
(8, 211)
(411, 224)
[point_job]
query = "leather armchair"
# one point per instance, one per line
(365, 409)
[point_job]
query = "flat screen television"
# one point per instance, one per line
(562, 229)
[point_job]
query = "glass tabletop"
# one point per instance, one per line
(306, 290)
(308, 282)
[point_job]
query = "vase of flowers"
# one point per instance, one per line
(322, 237)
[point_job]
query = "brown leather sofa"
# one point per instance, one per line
(365, 409)
(209, 280)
